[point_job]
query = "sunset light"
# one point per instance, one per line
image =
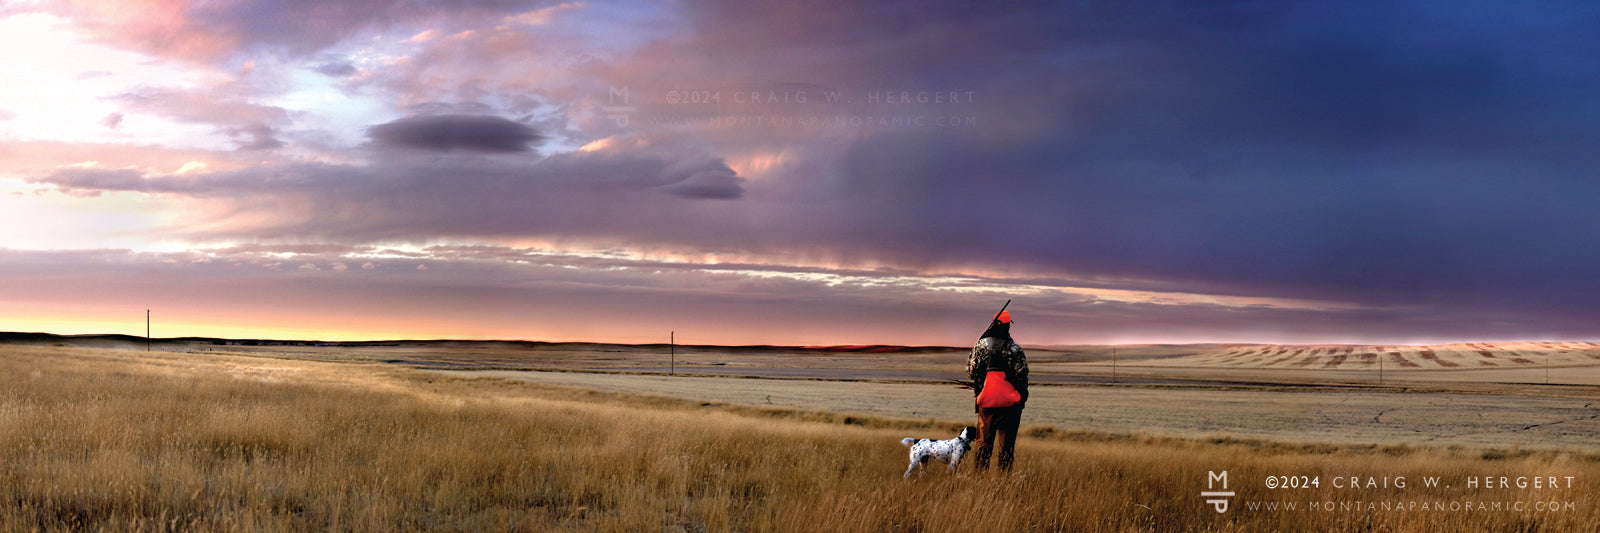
(1096, 266)
(611, 171)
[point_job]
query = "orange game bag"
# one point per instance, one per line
(997, 392)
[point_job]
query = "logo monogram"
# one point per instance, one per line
(1217, 499)
(616, 112)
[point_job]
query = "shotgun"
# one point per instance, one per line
(996, 319)
(968, 384)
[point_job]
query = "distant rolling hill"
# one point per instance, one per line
(118, 340)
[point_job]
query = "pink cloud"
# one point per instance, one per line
(165, 28)
(205, 32)
(41, 157)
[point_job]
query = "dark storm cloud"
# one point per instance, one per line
(476, 133)
(1406, 153)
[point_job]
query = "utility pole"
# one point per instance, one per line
(672, 352)
(147, 330)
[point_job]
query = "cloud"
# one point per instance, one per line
(473, 133)
(544, 15)
(208, 32)
(112, 121)
(488, 292)
(43, 157)
(336, 69)
(256, 136)
(423, 36)
(228, 106)
(165, 28)
(93, 181)
(716, 183)
(443, 193)
(519, 68)
(1289, 150)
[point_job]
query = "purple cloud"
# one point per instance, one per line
(442, 193)
(473, 133)
(93, 181)
(336, 69)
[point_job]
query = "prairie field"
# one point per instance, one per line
(1531, 418)
(115, 439)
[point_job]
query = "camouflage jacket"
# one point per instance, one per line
(993, 353)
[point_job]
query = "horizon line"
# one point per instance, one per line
(6, 336)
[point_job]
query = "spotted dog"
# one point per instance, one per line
(949, 451)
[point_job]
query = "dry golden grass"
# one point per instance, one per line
(127, 441)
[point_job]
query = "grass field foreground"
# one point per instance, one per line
(132, 441)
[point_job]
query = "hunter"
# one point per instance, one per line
(999, 373)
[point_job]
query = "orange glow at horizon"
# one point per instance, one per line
(167, 328)
(167, 325)
(377, 324)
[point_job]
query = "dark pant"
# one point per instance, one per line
(1001, 423)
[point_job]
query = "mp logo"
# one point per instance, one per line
(1218, 499)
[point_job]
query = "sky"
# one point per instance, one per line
(802, 173)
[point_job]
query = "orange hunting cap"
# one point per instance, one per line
(1004, 317)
